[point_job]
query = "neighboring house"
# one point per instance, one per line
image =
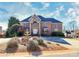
(38, 25)
(77, 33)
(0, 28)
(1, 32)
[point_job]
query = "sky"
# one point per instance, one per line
(62, 11)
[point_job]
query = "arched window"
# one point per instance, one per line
(34, 24)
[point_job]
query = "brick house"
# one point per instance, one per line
(38, 25)
(1, 32)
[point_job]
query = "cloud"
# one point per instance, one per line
(77, 19)
(36, 10)
(25, 9)
(28, 4)
(75, 4)
(30, 8)
(71, 12)
(60, 8)
(19, 16)
(45, 5)
(56, 13)
(76, 7)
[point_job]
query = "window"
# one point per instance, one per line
(45, 29)
(34, 24)
(55, 29)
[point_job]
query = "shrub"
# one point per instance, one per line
(58, 44)
(23, 41)
(32, 46)
(40, 41)
(49, 42)
(12, 46)
(59, 34)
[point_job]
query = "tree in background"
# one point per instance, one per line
(73, 25)
(13, 21)
(13, 27)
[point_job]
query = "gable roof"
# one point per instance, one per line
(42, 19)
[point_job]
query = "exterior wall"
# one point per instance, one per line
(26, 25)
(56, 27)
(48, 26)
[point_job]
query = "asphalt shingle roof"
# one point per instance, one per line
(42, 19)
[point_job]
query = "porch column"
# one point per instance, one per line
(39, 29)
(30, 27)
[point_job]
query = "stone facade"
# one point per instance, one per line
(36, 26)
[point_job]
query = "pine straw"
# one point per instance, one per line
(22, 48)
(53, 47)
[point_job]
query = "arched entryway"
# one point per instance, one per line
(35, 28)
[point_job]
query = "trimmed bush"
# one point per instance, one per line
(23, 41)
(58, 34)
(40, 41)
(32, 46)
(12, 46)
(49, 42)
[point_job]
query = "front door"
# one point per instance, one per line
(35, 31)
